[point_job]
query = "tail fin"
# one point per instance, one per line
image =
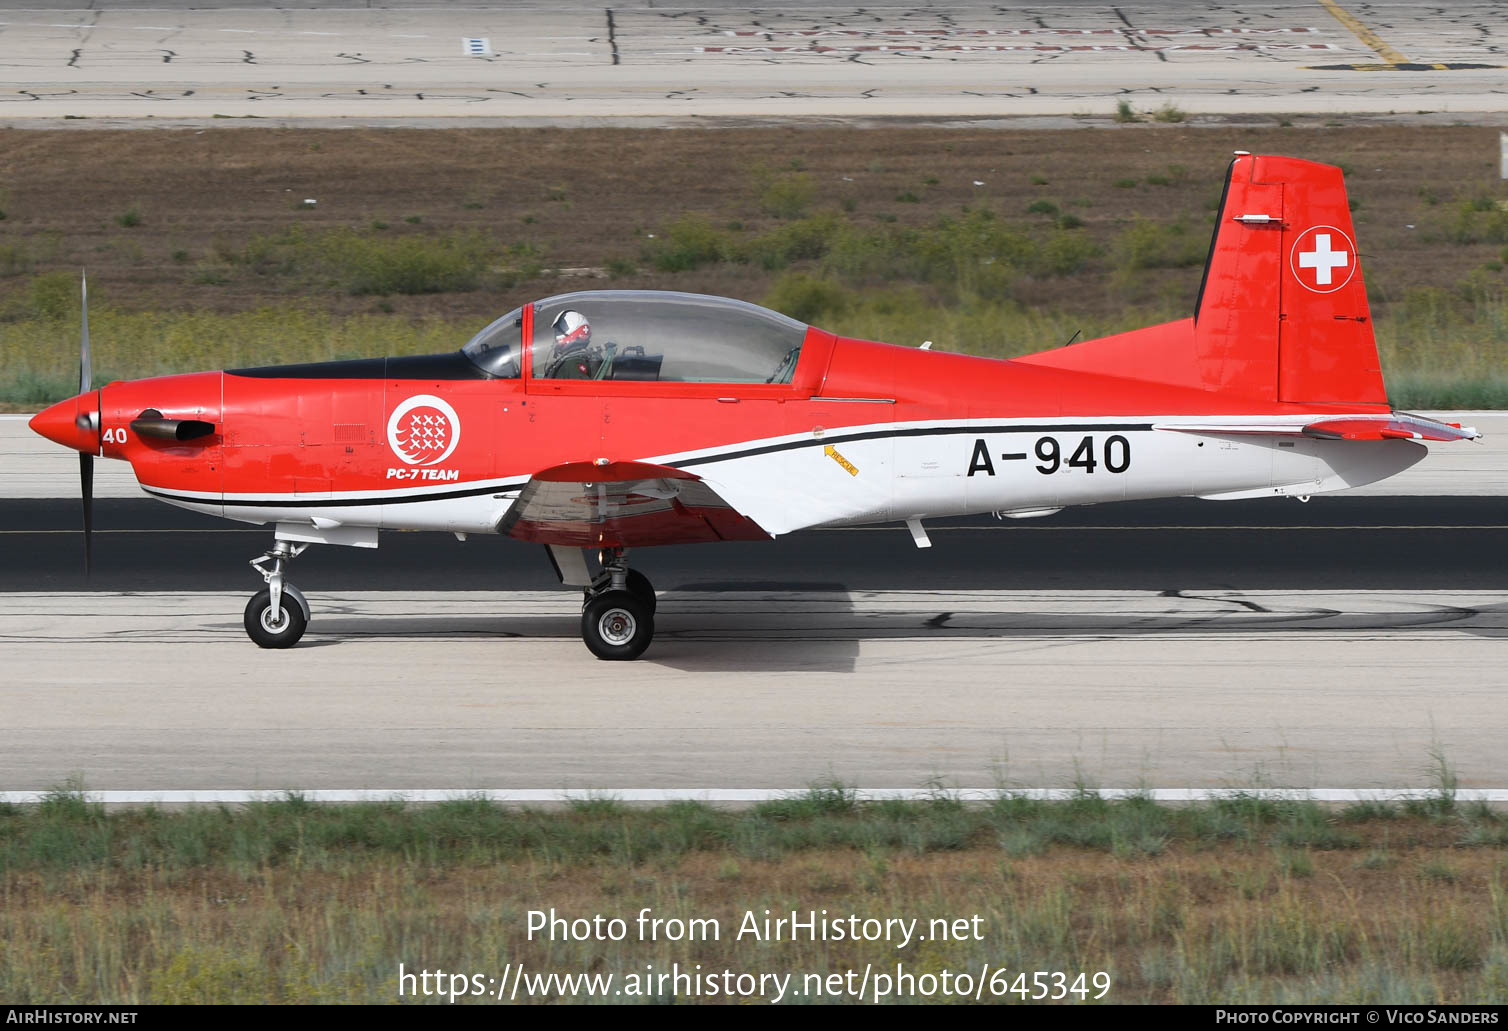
(1282, 312)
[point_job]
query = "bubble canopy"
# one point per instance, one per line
(645, 335)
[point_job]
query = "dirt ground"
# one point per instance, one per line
(585, 197)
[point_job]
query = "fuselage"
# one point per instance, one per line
(863, 432)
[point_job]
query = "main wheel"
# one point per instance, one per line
(617, 625)
(280, 629)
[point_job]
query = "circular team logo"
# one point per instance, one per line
(423, 430)
(1323, 259)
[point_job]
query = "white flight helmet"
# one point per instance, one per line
(571, 327)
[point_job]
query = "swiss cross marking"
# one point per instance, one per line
(1322, 259)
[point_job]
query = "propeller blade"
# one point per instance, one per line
(86, 492)
(86, 373)
(86, 460)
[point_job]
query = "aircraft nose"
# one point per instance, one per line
(74, 423)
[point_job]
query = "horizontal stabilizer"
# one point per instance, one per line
(1398, 426)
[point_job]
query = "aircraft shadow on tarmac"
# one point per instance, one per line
(819, 627)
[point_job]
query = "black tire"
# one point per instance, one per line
(266, 632)
(639, 586)
(617, 625)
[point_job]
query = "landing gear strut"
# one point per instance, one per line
(278, 616)
(618, 613)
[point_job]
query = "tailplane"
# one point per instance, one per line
(1282, 313)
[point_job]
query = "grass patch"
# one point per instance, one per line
(15, 258)
(286, 900)
(65, 831)
(1148, 244)
(785, 195)
(129, 345)
(1479, 219)
(373, 262)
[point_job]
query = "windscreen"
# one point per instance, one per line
(496, 349)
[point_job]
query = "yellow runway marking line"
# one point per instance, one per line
(1359, 29)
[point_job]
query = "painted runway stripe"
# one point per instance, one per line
(1359, 29)
(228, 796)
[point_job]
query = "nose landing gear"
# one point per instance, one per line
(278, 616)
(618, 612)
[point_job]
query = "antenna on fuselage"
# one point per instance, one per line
(1074, 337)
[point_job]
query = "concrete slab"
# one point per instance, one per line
(577, 60)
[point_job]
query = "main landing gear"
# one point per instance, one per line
(278, 616)
(618, 612)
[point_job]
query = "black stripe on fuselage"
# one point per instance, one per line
(453, 365)
(722, 456)
(400, 499)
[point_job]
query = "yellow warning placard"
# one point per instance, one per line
(832, 452)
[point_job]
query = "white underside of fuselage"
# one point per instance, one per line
(894, 471)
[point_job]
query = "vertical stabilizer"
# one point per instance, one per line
(1282, 312)
(1283, 308)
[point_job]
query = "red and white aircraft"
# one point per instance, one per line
(601, 421)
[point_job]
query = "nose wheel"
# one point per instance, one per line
(275, 628)
(618, 614)
(278, 616)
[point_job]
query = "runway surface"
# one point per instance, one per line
(1124, 646)
(762, 690)
(1333, 542)
(122, 59)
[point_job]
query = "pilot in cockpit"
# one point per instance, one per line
(573, 356)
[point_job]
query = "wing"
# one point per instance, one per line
(623, 505)
(1397, 426)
